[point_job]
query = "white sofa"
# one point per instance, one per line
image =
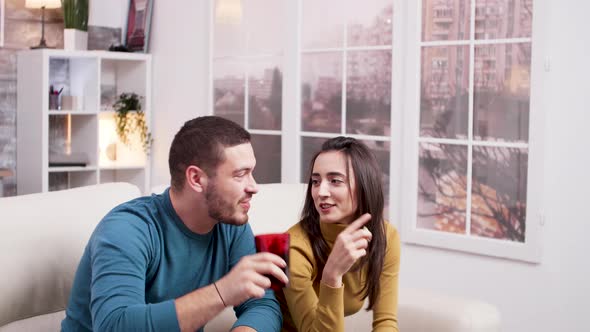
(43, 237)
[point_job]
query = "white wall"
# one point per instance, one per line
(108, 13)
(551, 296)
(180, 47)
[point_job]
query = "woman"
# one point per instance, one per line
(342, 251)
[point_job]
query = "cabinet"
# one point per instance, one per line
(69, 140)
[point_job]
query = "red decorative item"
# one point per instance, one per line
(277, 244)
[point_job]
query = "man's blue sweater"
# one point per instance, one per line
(141, 257)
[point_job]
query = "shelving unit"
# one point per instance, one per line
(92, 80)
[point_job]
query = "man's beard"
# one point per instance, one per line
(220, 209)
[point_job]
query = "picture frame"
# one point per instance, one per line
(137, 31)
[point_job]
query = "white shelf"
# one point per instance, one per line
(66, 112)
(114, 168)
(95, 78)
(68, 169)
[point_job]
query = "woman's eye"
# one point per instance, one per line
(314, 182)
(337, 181)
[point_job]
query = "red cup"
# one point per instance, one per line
(277, 244)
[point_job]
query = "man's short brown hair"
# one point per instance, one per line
(201, 142)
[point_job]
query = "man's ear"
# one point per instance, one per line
(196, 178)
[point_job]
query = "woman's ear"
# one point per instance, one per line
(196, 178)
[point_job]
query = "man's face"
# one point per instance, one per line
(230, 190)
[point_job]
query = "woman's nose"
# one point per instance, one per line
(323, 189)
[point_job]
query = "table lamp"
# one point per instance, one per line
(42, 4)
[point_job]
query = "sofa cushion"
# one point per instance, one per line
(47, 322)
(43, 237)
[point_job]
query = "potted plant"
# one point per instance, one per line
(76, 24)
(129, 119)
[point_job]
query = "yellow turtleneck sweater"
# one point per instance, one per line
(310, 305)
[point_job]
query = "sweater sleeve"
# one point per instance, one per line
(385, 309)
(120, 251)
(311, 312)
(262, 314)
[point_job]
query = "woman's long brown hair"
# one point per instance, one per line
(369, 197)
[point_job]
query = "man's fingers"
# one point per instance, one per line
(272, 269)
(262, 257)
(359, 223)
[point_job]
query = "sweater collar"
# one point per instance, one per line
(331, 231)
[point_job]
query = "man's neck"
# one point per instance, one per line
(192, 210)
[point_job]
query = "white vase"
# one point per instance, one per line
(75, 40)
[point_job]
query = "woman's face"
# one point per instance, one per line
(333, 199)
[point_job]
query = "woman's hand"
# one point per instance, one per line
(351, 244)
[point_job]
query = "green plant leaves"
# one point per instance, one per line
(75, 14)
(130, 118)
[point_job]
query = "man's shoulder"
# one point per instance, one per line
(137, 214)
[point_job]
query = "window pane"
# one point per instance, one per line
(381, 150)
(265, 91)
(368, 93)
(503, 19)
(445, 19)
(371, 23)
(322, 24)
(498, 198)
(228, 90)
(444, 91)
(502, 92)
(321, 92)
(442, 187)
(309, 147)
(265, 26)
(267, 149)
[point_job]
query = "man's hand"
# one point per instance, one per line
(351, 244)
(248, 278)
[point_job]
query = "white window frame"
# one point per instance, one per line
(405, 90)
(531, 249)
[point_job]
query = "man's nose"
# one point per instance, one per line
(252, 186)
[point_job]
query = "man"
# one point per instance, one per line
(174, 261)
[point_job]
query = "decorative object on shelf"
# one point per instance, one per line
(36, 4)
(111, 151)
(118, 48)
(74, 159)
(72, 103)
(76, 24)
(54, 98)
(228, 11)
(129, 118)
(139, 19)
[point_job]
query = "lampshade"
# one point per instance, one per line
(43, 3)
(229, 11)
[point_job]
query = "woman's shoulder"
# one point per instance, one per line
(298, 237)
(391, 235)
(297, 234)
